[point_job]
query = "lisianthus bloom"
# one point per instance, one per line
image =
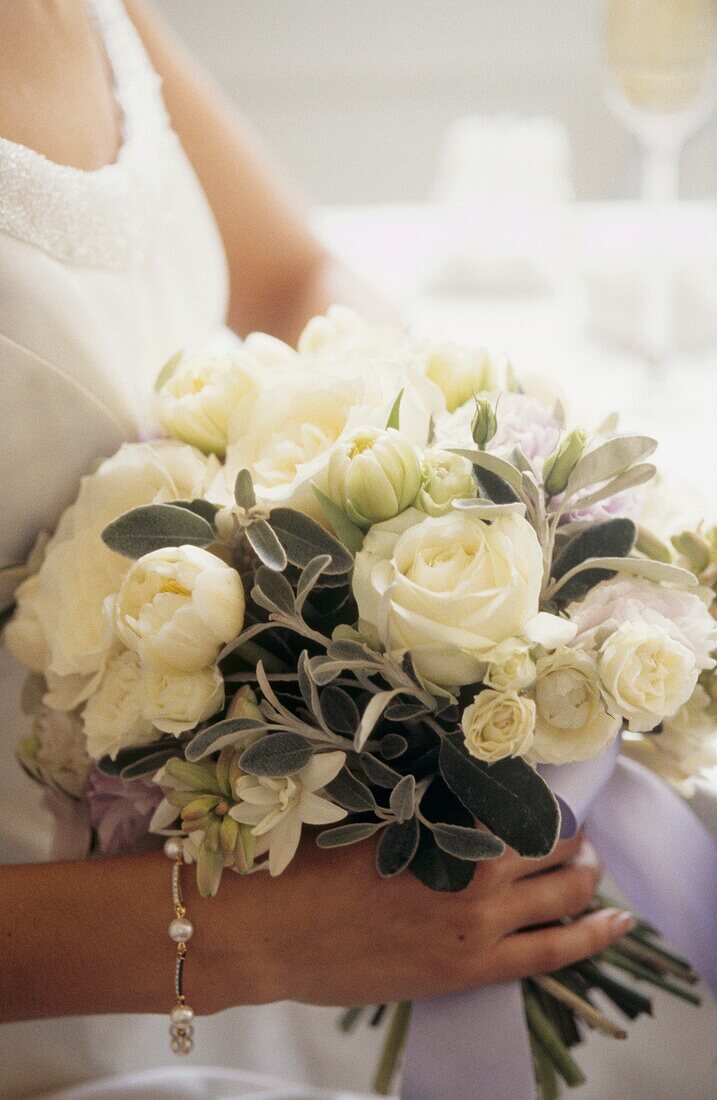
(276, 809)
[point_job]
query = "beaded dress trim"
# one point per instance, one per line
(105, 217)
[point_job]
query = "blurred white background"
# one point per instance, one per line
(353, 96)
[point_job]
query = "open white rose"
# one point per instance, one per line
(446, 477)
(59, 627)
(197, 400)
(572, 722)
(113, 718)
(177, 606)
(510, 665)
(450, 588)
(373, 475)
(498, 724)
(647, 673)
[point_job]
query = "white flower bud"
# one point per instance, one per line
(446, 477)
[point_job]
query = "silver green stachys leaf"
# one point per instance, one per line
(244, 493)
(155, 526)
(304, 539)
(342, 835)
(277, 755)
(434, 867)
(484, 460)
(379, 773)
(129, 755)
(392, 745)
(404, 712)
(339, 710)
(309, 577)
(614, 538)
(373, 711)
(397, 847)
(508, 797)
(150, 764)
(488, 511)
(266, 545)
(349, 533)
(227, 732)
(608, 460)
(199, 506)
(350, 793)
(273, 592)
(466, 843)
(656, 571)
(637, 475)
(403, 798)
(394, 417)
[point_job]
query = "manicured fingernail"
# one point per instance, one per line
(620, 921)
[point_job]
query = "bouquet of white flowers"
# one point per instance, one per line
(370, 585)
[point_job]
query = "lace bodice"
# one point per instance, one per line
(101, 217)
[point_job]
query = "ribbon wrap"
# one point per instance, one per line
(659, 854)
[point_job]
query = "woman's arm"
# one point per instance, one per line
(280, 275)
(91, 937)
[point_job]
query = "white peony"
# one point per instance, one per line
(449, 589)
(572, 722)
(177, 606)
(59, 627)
(445, 477)
(201, 393)
(510, 665)
(373, 475)
(498, 724)
(178, 701)
(277, 808)
(459, 372)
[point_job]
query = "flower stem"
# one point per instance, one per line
(545, 1034)
(392, 1048)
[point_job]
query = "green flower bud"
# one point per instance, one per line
(228, 834)
(244, 704)
(198, 807)
(694, 549)
(374, 475)
(446, 477)
(200, 777)
(560, 464)
(652, 547)
(485, 423)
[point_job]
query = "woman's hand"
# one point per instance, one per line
(331, 932)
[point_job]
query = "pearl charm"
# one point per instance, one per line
(182, 1016)
(174, 847)
(181, 929)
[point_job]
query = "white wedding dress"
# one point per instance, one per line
(103, 276)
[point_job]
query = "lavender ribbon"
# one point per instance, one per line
(659, 854)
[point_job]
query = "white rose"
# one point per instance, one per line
(510, 665)
(177, 606)
(113, 717)
(199, 396)
(178, 701)
(451, 588)
(287, 443)
(685, 749)
(373, 475)
(647, 673)
(446, 477)
(571, 722)
(459, 372)
(59, 627)
(498, 724)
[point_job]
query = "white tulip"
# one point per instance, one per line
(373, 475)
(177, 606)
(498, 724)
(572, 722)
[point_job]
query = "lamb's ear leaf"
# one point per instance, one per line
(154, 527)
(277, 755)
(609, 460)
(614, 538)
(350, 793)
(227, 732)
(244, 493)
(266, 545)
(397, 847)
(304, 539)
(347, 834)
(466, 843)
(431, 865)
(403, 798)
(508, 797)
(199, 506)
(489, 465)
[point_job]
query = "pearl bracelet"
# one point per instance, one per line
(181, 1017)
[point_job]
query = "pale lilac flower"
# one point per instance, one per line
(628, 505)
(120, 811)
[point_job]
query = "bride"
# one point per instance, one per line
(137, 217)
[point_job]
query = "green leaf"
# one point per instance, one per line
(509, 797)
(346, 530)
(466, 843)
(609, 460)
(339, 710)
(403, 798)
(150, 764)
(432, 866)
(372, 713)
(128, 756)
(347, 791)
(155, 526)
(199, 507)
(347, 834)
(277, 755)
(613, 539)
(491, 463)
(266, 545)
(394, 416)
(309, 577)
(379, 773)
(392, 746)
(244, 493)
(397, 847)
(304, 539)
(227, 732)
(656, 571)
(273, 592)
(637, 475)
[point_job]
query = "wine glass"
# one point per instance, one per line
(662, 83)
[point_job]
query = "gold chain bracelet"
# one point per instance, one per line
(181, 1018)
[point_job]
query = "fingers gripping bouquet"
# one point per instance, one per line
(370, 586)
